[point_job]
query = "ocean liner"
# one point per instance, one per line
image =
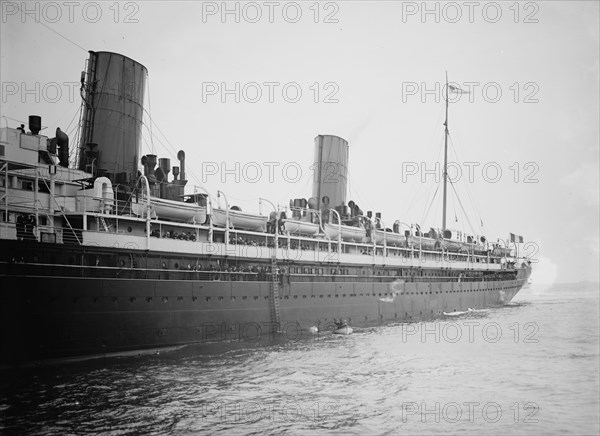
(114, 252)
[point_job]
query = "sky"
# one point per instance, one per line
(244, 88)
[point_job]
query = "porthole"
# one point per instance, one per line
(129, 229)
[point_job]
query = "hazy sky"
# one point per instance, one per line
(526, 137)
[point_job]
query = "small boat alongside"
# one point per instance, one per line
(342, 328)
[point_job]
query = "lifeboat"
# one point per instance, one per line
(421, 241)
(391, 238)
(240, 220)
(348, 233)
(297, 227)
(184, 211)
(451, 244)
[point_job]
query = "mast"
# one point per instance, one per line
(445, 173)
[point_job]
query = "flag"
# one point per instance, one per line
(516, 238)
(456, 89)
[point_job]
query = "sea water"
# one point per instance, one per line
(531, 367)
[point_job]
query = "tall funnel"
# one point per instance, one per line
(114, 101)
(331, 178)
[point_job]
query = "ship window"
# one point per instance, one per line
(313, 296)
(129, 229)
(256, 297)
(343, 295)
(328, 295)
(336, 295)
(304, 296)
(207, 298)
(320, 296)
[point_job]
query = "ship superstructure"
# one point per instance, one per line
(108, 257)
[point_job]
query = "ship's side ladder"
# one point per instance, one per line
(275, 293)
(104, 225)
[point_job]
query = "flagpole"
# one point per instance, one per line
(445, 173)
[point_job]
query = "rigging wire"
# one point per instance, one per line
(150, 113)
(416, 196)
(76, 127)
(431, 203)
(49, 28)
(463, 209)
(471, 197)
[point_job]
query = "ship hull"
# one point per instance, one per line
(52, 317)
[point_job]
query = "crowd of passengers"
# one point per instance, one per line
(184, 236)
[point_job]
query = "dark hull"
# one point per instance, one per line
(48, 317)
